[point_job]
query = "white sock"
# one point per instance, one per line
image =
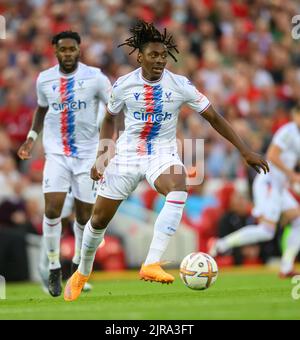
(159, 244)
(44, 261)
(52, 234)
(247, 235)
(78, 233)
(292, 248)
(90, 243)
(166, 225)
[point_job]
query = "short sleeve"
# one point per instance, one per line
(116, 101)
(41, 97)
(283, 138)
(193, 98)
(104, 88)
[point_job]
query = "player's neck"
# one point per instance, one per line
(68, 72)
(150, 78)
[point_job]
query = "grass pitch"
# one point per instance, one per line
(237, 294)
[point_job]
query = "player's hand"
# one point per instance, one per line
(95, 174)
(256, 161)
(25, 149)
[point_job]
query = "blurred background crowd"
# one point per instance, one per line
(239, 53)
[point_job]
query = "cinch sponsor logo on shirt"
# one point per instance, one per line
(74, 105)
(152, 117)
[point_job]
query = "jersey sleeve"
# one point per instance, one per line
(193, 98)
(283, 138)
(41, 97)
(116, 101)
(104, 88)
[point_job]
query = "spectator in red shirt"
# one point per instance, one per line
(15, 117)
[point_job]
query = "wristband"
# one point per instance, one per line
(32, 134)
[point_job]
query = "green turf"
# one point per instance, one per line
(236, 295)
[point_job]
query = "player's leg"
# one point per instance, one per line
(44, 261)
(113, 189)
(83, 212)
(84, 191)
(93, 235)
(172, 184)
(262, 232)
(54, 202)
(43, 267)
(52, 228)
(94, 232)
(67, 212)
(268, 207)
(56, 183)
(292, 215)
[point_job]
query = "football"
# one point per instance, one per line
(198, 271)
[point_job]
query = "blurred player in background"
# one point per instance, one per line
(273, 199)
(150, 97)
(68, 98)
(67, 211)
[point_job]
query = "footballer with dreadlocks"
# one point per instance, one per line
(150, 97)
(68, 97)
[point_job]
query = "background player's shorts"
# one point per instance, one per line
(61, 173)
(124, 172)
(271, 200)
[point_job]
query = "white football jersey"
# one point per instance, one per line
(151, 110)
(71, 123)
(287, 138)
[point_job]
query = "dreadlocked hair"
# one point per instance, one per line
(144, 33)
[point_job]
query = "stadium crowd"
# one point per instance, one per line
(240, 54)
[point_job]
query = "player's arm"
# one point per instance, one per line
(273, 155)
(25, 149)
(222, 126)
(107, 132)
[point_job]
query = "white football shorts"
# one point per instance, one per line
(271, 200)
(61, 173)
(124, 172)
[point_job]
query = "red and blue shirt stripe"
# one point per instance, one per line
(67, 120)
(153, 105)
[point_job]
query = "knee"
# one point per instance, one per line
(83, 219)
(52, 212)
(173, 187)
(269, 230)
(100, 220)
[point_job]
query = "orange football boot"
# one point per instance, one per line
(74, 286)
(154, 272)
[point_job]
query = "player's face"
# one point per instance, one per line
(153, 60)
(67, 53)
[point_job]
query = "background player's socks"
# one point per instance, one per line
(44, 266)
(247, 235)
(44, 261)
(52, 233)
(78, 233)
(166, 225)
(292, 248)
(90, 243)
